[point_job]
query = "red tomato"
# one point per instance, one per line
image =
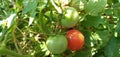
(75, 39)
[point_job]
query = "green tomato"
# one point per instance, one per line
(70, 18)
(56, 44)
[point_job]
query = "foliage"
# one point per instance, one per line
(25, 26)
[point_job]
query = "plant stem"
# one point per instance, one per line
(14, 39)
(56, 7)
(12, 53)
(4, 41)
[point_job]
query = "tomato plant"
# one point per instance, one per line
(27, 25)
(75, 39)
(70, 18)
(57, 44)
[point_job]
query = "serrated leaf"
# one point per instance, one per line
(112, 49)
(78, 4)
(93, 7)
(29, 5)
(92, 21)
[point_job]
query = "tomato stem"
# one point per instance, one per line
(11, 53)
(56, 7)
(4, 41)
(15, 40)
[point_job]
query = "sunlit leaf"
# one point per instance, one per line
(43, 4)
(104, 36)
(29, 5)
(93, 7)
(78, 4)
(10, 20)
(92, 21)
(31, 18)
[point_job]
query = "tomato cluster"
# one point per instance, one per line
(73, 40)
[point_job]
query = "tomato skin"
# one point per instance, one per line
(70, 17)
(75, 40)
(57, 44)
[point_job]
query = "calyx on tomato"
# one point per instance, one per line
(70, 17)
(75, 39)
(57, 44)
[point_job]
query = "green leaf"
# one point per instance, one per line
(117, 29)
(10, 20)
(115, 1)
(104, 36)
(43, 4)
(32, 15)
(39, 54)
(111, 2)
(109, 11)
(58, 9)
(57, 55)
(29, 5)
(42, 24)
(83, 53)
(116, 10)
(87, 35)
(112, 49)
(18, 5)
(78, 4)
(2, 33)
(93, 7)
(92, 21)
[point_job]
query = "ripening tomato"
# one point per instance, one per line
(70, 17)
(75, 39)
(57, 44)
